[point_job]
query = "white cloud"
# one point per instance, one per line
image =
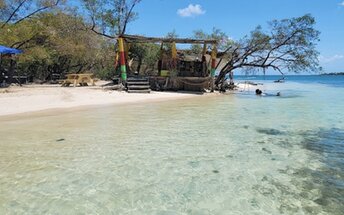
(341, 4)
(191, 11)
(330, 59)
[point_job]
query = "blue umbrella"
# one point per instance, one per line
(7, 50)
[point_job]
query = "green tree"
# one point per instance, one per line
(146, 55)
(224, 41)
(110, 17)
(168, 46)
(16, 11)
(58, 43)
(290, 46)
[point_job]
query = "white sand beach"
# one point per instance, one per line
(32, 98)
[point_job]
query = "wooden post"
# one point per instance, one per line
(11, 69)
(204, 61)
(213, 66)
(174, 51)
(204, 51)
(126, 55)
(122, 59)
(174, 56)
(116, 60)
(160, 59)
(2, 72)
(126, 50)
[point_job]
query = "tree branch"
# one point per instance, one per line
(280, 45)
(13, 13)
(99, 33)
(37, 11)
(128, 16)
(21, 43)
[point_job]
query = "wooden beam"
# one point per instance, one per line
(142, 39)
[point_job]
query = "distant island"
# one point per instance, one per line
(333, 73)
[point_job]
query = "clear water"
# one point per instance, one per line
(330, 80)
(227, 154)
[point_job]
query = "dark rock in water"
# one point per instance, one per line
(60, 140)
(229, 156)
(246, 126)
(321, 201)
(215, 171)
(269, 131)
(265, 178)
(266, 150)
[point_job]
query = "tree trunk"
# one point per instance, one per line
(11, 71)
(231, 78)
(80, 68)
(221, 77)
(228, 68)
(139, 66)
(1, 70)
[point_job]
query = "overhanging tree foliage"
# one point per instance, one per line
(289, 46)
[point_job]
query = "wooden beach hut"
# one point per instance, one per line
(176, 70)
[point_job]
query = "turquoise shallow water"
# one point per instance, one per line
(227, 154)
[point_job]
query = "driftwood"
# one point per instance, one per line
(118, 87)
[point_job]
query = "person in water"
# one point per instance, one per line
(260, 93)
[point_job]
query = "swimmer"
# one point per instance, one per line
(258, 92)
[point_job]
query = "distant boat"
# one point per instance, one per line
(280, 80)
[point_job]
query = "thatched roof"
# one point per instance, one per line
(143, 39)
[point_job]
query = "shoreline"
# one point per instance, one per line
(41, 100)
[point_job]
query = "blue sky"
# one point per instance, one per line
(238, 18)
